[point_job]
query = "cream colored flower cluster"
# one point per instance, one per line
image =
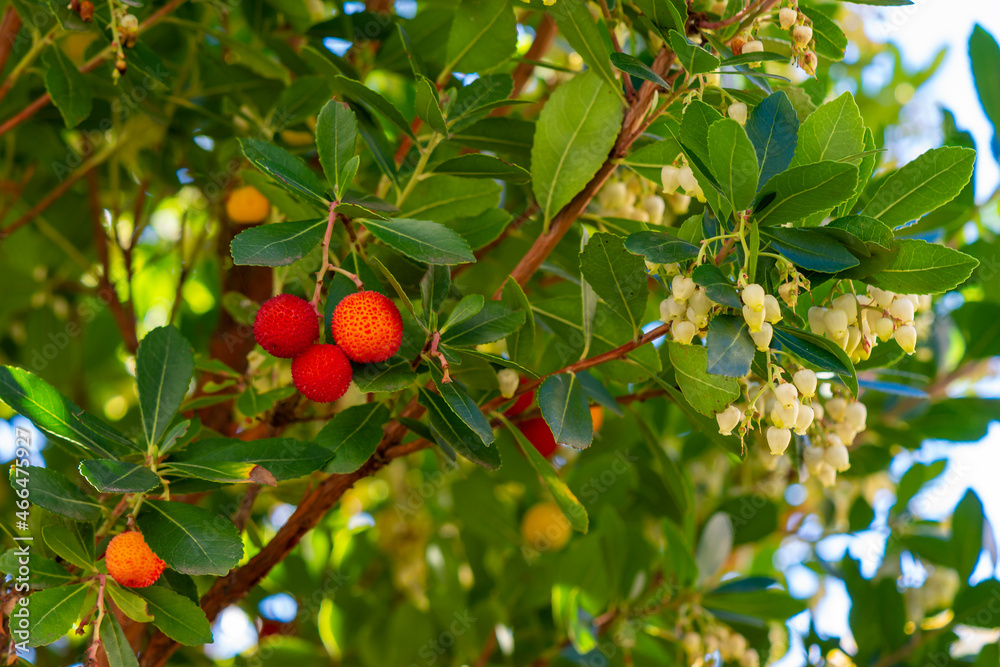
(631, 198)
(688, 309)
(732, 647)
(858, 322)
(674, 176)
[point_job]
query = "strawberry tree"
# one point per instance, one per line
(489, 331)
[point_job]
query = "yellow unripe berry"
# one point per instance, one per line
(544, 527)
(247, 206)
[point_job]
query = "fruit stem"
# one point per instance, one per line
(325, 266)
(353, 276)
(435, 352)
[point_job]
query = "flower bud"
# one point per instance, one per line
(668, 177)
(906, 336)
(787, 17)
(813, 457)
(882, 297)
(789, 293)
(826, 474)
(783, 417)
(884, 328)
(802, 35)
(654, 207)
(778, 439)
(686, 179)
(671, 310)
(738, 112)
(613, 195)
(763, 337)
(837, 457)
(805, 382)
(837, 409)
(700, 302)
(728, 419)
(129, 23)
(682, 287)
(804, 419)
(902, 310)
(835, 321)
(753, 296)
(817, 319)
(754, 46)
(849, 304)
(856, 414)
(787, 394)
(684, 332)
(754, 318)
(509, 382)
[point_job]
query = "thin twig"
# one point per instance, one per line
(324, 267)
(435, 352)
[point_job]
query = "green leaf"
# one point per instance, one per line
(115, 643)
(754, 57)
(617, 276)
(464, 407)
(67, 87)
(833, 132)
(730, 348)
(566, 410)
(336, 143)
(285, 458)
(483, 36)
(698, 117)
(818, 352)
(428, 107)
(353, 436)
(422, 240)
(302, 99)
(373, 102)
(967, 534)
(45, 572)
(660, 247)
(922, 185)
(772, 127)
(717, 286)
(466, 308)
(164, 366)
(441, 198)
(649, 160)
(810, 248)
(287, 170)
(109, 476)
(54, 611)
(483, 166)
(74, 544)
(434, 288)
(474, 100)
(800, 192)
(828, 39)
(575, 133)
(495, 321)
(568, 503)
(447, 426)
(665, 14)
(693, 58)
(984, 52)
(852, 229)
(176, 616)
(481, 230)
(577, 26)
(389, 376)
(51, 490)
(919, 267)
(734, 162)
(764, 605)
(635, 67)
(708, 394)
(225, 472)
(190, 539)
(520, 343)
(277, 244)
(38, 401)
(128, 602)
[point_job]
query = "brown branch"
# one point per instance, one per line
(545, 35)
(9, 27)
(564, 219)
(92, 64)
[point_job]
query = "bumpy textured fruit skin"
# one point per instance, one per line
(367, 327)
(545, 527)
(131, 562)
(540, 435)
(286, 326)
(322, 373)
(247, 206)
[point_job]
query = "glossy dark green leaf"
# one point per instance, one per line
(800, 192)
(73, 543)
(284, 458)
(176, 616)
(190, 539)
(483, 166)
(616, 275)
(578, 27)
(45, 572)
(660, 247)
(428, 106)
(109, 476)
(772, 127)
(717, 286)
(277, 244)
(164, 366)
(733, 162)
(635, 67)
(483, 36)
(984, 54)
(373, 101)
(833, 132)
(810, 248)
(967, 534)
(828, 39)
(520, 343)
(708, 394)
(302, 99)
(422, 240)
(287, 170)
(353, 435)
(922, 185)
(564, 406)
(224, 472)
(53, 491)
(67, 87)
(730, 348)
(454, 433)
(464, 407)
(919, 267)
(819, 352)
(54, 611)
(392, 375)
(495, 321)
(336, 143)
(116, 646)
(693, 58)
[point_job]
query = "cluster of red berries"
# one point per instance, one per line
(367, 328)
